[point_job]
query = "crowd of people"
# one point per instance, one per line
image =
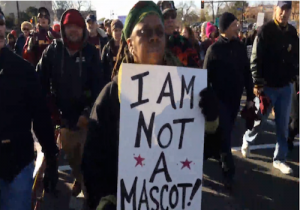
(68, 76)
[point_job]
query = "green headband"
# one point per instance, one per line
(139, 11)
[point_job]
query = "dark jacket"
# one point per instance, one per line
(37, 42)
(22, 104)
(20, 44)
(74, 81)
(108, 59)
(228, 70)
(103, 39)
(100, 157)
(275, 55)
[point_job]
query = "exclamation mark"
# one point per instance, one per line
(194, 190)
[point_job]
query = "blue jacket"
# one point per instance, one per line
(20, 44)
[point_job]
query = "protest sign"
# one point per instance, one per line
(249, 51)
(161, 138)
(260, 19)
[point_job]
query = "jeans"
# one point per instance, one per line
(17, 194)
(281, 100)
(228, 114)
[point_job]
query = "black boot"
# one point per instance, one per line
(228, 170)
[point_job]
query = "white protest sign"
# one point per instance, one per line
(260, 19)
(249, 51)
(161, 138)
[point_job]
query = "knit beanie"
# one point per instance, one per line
(116, 24)
(210, 28)
(225, 21)
(74, 17)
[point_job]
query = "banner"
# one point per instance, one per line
(161, 138)
(260, 19)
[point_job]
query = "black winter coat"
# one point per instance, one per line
(22, 103)
(228, 70)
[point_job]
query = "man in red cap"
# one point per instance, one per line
(40, 38)
(71, 75)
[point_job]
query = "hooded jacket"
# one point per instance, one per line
(37, 42)
(22, 105)
(74, 81)
(103, 39)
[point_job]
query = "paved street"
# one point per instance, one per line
(257, 185)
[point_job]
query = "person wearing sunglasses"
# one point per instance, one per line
(22, 103)
(143, 41)
(40, 37)
(26, 27)
(177, 44)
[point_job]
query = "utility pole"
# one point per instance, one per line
(18, 13)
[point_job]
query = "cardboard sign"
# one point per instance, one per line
(161, 138)
(249, 51)
(260, 19)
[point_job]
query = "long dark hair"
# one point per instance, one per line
(123, 53)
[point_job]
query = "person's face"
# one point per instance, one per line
(108, 29)
(11, 40)
(73, 33)
(232, 31)
(2, 31)
(185, 33)
(91, 26)
(196, 34)
(43, 21)
(282, 14)
(170, 22)
(147, 41)
(116, 33)
(25, 30)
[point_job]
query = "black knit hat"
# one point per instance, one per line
(225, 21)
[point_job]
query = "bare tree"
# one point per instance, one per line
(215, 7)
(186, 12)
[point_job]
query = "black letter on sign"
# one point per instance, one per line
(167, 125)
(183, 87)
(173, 190)
(165, 187)
(142, 200)
(153, 199)
(170, 94)
(183, 121)
(163, 169)
(140, 78)
(148, 131)
(184, 186)
(124, 194)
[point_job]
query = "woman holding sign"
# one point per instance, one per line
(143, 42)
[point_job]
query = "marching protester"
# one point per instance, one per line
(210, 39)
(40, 38)
(274, 65)
(11, 41)
(100, 158)
(107, 25)
(188, 33)
(110, 50)
(26, 27)
(229, 73)
(176, 43)
(70, 73)
(97, 36)
(22, 103)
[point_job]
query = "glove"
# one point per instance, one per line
(33, 41)
(51, 174)
(210, 109)
(209, 104)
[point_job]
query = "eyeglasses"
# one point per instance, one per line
(2, 20)
(170, 14)
(25, 29)
(149, 32)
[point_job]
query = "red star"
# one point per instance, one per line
(139, 160)
(186, 163)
